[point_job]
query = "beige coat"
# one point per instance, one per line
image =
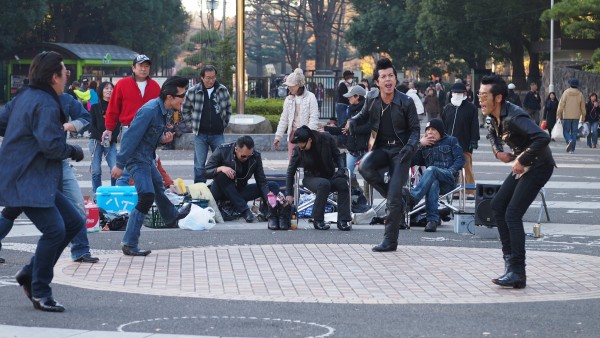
(309, 114)
(571, 105)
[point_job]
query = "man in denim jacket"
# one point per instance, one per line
(137, 154)
(444, 159)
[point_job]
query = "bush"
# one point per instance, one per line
(262, 107)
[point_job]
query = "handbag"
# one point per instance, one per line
(557, 131)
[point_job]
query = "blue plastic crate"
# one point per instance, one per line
(115, 199)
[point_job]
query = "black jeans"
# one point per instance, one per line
(223, 188)
(370, 168)
(510, 204)
(322, 187)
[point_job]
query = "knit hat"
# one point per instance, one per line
(436, 124)
(574, 83)
(296, 78)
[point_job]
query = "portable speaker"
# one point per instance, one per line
(483, 204)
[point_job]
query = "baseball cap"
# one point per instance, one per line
(141, 59)
(458, 87)
(356, 90)
(511, 86)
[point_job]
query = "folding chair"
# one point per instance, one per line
(445, 200)
(299, 188)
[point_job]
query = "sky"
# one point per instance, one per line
(193, 6)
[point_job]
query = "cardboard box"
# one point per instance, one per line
(115, 199)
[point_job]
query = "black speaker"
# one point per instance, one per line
(483, 204)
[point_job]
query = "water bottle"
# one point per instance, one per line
(106, 141)
(294, 219)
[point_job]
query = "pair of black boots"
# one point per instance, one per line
(514, 275)
(279, 217)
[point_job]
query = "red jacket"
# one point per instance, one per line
(126, 99)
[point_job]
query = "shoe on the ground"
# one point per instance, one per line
(249, 216)
(87, 258)
(181, 214)
(385, 246)
(24, 280)
(512, 279)
(431, 226)
(273, 223)
(344, 225)
(1, 259)
(47, 304)
(320, 225)
(129, 251)
(570, 146)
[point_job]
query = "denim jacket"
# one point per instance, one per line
(144, 134)
(444, 154)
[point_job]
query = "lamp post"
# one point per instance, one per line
(551, 84)
(212, 5)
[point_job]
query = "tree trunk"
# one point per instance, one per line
(517, 59)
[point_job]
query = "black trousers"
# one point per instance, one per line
(510, 204)
(322, 187)
(223, 188)
(371, 168)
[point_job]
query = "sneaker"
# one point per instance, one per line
(87, 258)
(570, 147)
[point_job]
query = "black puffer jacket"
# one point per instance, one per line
(358, 141)
(404, 117)
(320, 161)
(224, 155)
(528, 142)
(462, 122)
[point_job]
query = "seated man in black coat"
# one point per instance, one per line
(230, 167)
(319, 155)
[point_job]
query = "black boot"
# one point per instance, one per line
(344, 225)
(320, 225)
(431, 227)
(285, 217)
(273, 218)
(512, 279)
(394, 219)
(1, 259)
(385, 246)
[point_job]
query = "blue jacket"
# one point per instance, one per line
(32, 150)
(80, 117)
(144, 134)
(444, 154)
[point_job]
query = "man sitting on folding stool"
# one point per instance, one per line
(319, 155)
(444, 159)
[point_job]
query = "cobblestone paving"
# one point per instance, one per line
(337, 273)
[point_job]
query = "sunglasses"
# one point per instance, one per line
(181, 96)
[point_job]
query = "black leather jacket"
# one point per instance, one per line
(320, 161)
(224, 155)
(404, 117)
(528, 142)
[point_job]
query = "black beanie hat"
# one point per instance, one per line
(437, 124)
(302, 135)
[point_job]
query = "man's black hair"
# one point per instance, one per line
(43, 67)
(170, 86)
(499, 86)
(402, 88)
(208, 68)
(383, 63)
(245, 141)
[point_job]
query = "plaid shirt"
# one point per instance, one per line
(194, 101)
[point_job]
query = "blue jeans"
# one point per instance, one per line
(433, 182)
(351, 163)
(147, 180)
(80, 244)
(508, 207)
(124, 179)
(201, 144)
(341, 112)
(58, 225)
(592, 138)
(98, 151)
(570, 131)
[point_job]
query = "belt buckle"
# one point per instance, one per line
(391, 143)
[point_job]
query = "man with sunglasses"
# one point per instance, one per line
(137, 154)
(230, 167)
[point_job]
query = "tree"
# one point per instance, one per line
(324, 17)
(17, 18)
(262, 41)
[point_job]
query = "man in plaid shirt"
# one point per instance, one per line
(208, 121)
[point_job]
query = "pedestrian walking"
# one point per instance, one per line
(571, 110)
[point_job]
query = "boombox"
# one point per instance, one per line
(484, 193)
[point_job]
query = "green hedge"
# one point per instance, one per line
(262, 107)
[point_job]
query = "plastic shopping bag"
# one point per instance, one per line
(557, 131)
(198, 219)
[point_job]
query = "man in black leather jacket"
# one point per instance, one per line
(319, 155)
(394, 138)
(532, 168)
(230, 167)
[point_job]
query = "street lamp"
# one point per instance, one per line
(212, 5)
(551, 85)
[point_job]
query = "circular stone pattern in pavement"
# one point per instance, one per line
(337, 273)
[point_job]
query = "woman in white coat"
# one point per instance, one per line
(300, 108)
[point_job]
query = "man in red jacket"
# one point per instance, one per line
(129, 95)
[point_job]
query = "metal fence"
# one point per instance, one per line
(324, 87)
